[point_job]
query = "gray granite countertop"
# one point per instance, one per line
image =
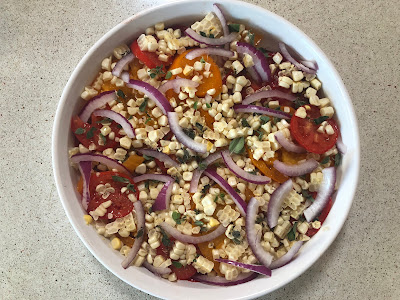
(41, 42)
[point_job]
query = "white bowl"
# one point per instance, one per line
(184, 12)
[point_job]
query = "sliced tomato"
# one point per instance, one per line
(304, 131)
(322, 217)
(90, 133)
(184, 272)
(150, 59)
(121, 205)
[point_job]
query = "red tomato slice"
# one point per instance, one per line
(304, 131)
(121, 205)
(150, 59)
(184, 272)
(322, 217)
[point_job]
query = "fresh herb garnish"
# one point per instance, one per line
(306, 194)
(205, 189)
(321, 119)
(139, 233)
(264, 51)
(131, 187)
(245, 123)
(298, 102)
(165, 239)
(196, 211)
(185, 158)
(208, 105)
(147, 184)
(155, 71)
(292, 233)
(90, 133)
(251, 37)
(338, 159)
(177, 264)
(264, 120)
(275, 120)
(236, 145)
(168, 75)
(199, 223)
(202, 166)
(260, 134)
(121, 94)
(252, 172)
(202, 61)
(120, 179)
(103, 138)
(259, 220)
(325, 160)
(220, 195)
(104, 121)
(147, 120)
(211, 36)
(236, 234)
(80, 131)
(236, 241)
(150, 158)
(189, 132)
(143, 105)
(178, 218)
(234, 27)
(195, 105)
(200, 127)
(202, 33)
(197, 256)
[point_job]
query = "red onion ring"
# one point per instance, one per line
(155, 270)
(340, 146)
(189, 239)
(218, 12)
(208, 51)
(160, 156)
(85, 167)
(156, 177)
(95, 103)
(300, 66)
(276, 201)
(260, 63)
(110, 163)
(181, 136)
(310, 64)
(217, 280)
(268, 94)
(241, 205)
(240, 108)
(120, 65)
(288, 145)
(253, 237)
(263, 270)
(211, 41)
(125, 77)
(257, 179)
(154, 94)
(138, 241)
(164, 196)
(197, 173)
(325, 191)
(176, 84)
(254, 74)
(120, 119)
(285, 259)
(296, 170)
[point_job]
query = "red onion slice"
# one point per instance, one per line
(325, 191)
(155, 270)
(120, 119)
(209, 51)
(240, 108)
(197, 173)
(156, 177)
(340, 146)
(120, 65)
(110, 163)
(296, 170)
(218, 12)
(300, 66)
(125, 77)
(254, 74)
(257, 179)
(176, 85)
(263, 270)
(217, 280)
(96, 103)
(276, 201)
(138, 241)
(152, 93)
(268, 94)
(285, 259)
(260, 62)
(85, 167)
(241, 205)
(164, 196)
(189, 239)
(253, 237)
(288, 145)
(211, 41)
(310, 64)
(160, 156)
(181, 136)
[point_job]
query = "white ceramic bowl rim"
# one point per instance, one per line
(141, 278)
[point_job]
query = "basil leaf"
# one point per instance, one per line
(139, 233)
(120, 179)
(321, 119)
(234, 27)
(121, 94)
(245, 123)
(202, 33)
(202, 166)
(292, 233)
(177, 264)
(325, 160)
(177, 217)
(195, 105)
(236, 241)
(264, 120)
(143, 105)
(338, 159)
(189, 132)
(168, 75)
(199, 223)
(307, 195)
(131, 187)
(80, 131)
(236, 145)
(208, 105)
(90, 133)
(103, 138)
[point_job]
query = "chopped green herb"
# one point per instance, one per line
(200, 127)
(251, 37)
(119, 126)
(325, 160)
(150, 158)
(80, 131)
(202, 61)
(260, 134)
(202, 166)
(253, 172)
(177, 264)
(245, 123)
(130, 117)
(236, 241)
(220, 195)
(202, 33)
(259, 220)
(298, 102)
(292, 233)
(150, 210)
(205, 189)
(143, 105)
(90, 133)
(306, 194)
(147, 184)
(199, 223)
(196, 211)
(155, 71)
(236, 234)
(197, 256)
(236, 145)
(139, 233)
(131, 187)
(338, 159)
(189, 132)
(177, 217)
(168, 75)
(147, 120)
(264, 120)
(121, 94)
(120, 179)
(275, 120)
(195, 105)
(264, 51)
(320, 119)
(234, 27)
(165, 239)
(208, 105)
(104, 121)
(103, 138)
(211, 36)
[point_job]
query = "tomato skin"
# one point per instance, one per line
(184, 272)
(304, 131)
(121, 205)
(150, 59)
(322, 217)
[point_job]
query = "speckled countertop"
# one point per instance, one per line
(41, 42)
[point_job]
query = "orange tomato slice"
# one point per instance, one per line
(133, 162)
(207, 252)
